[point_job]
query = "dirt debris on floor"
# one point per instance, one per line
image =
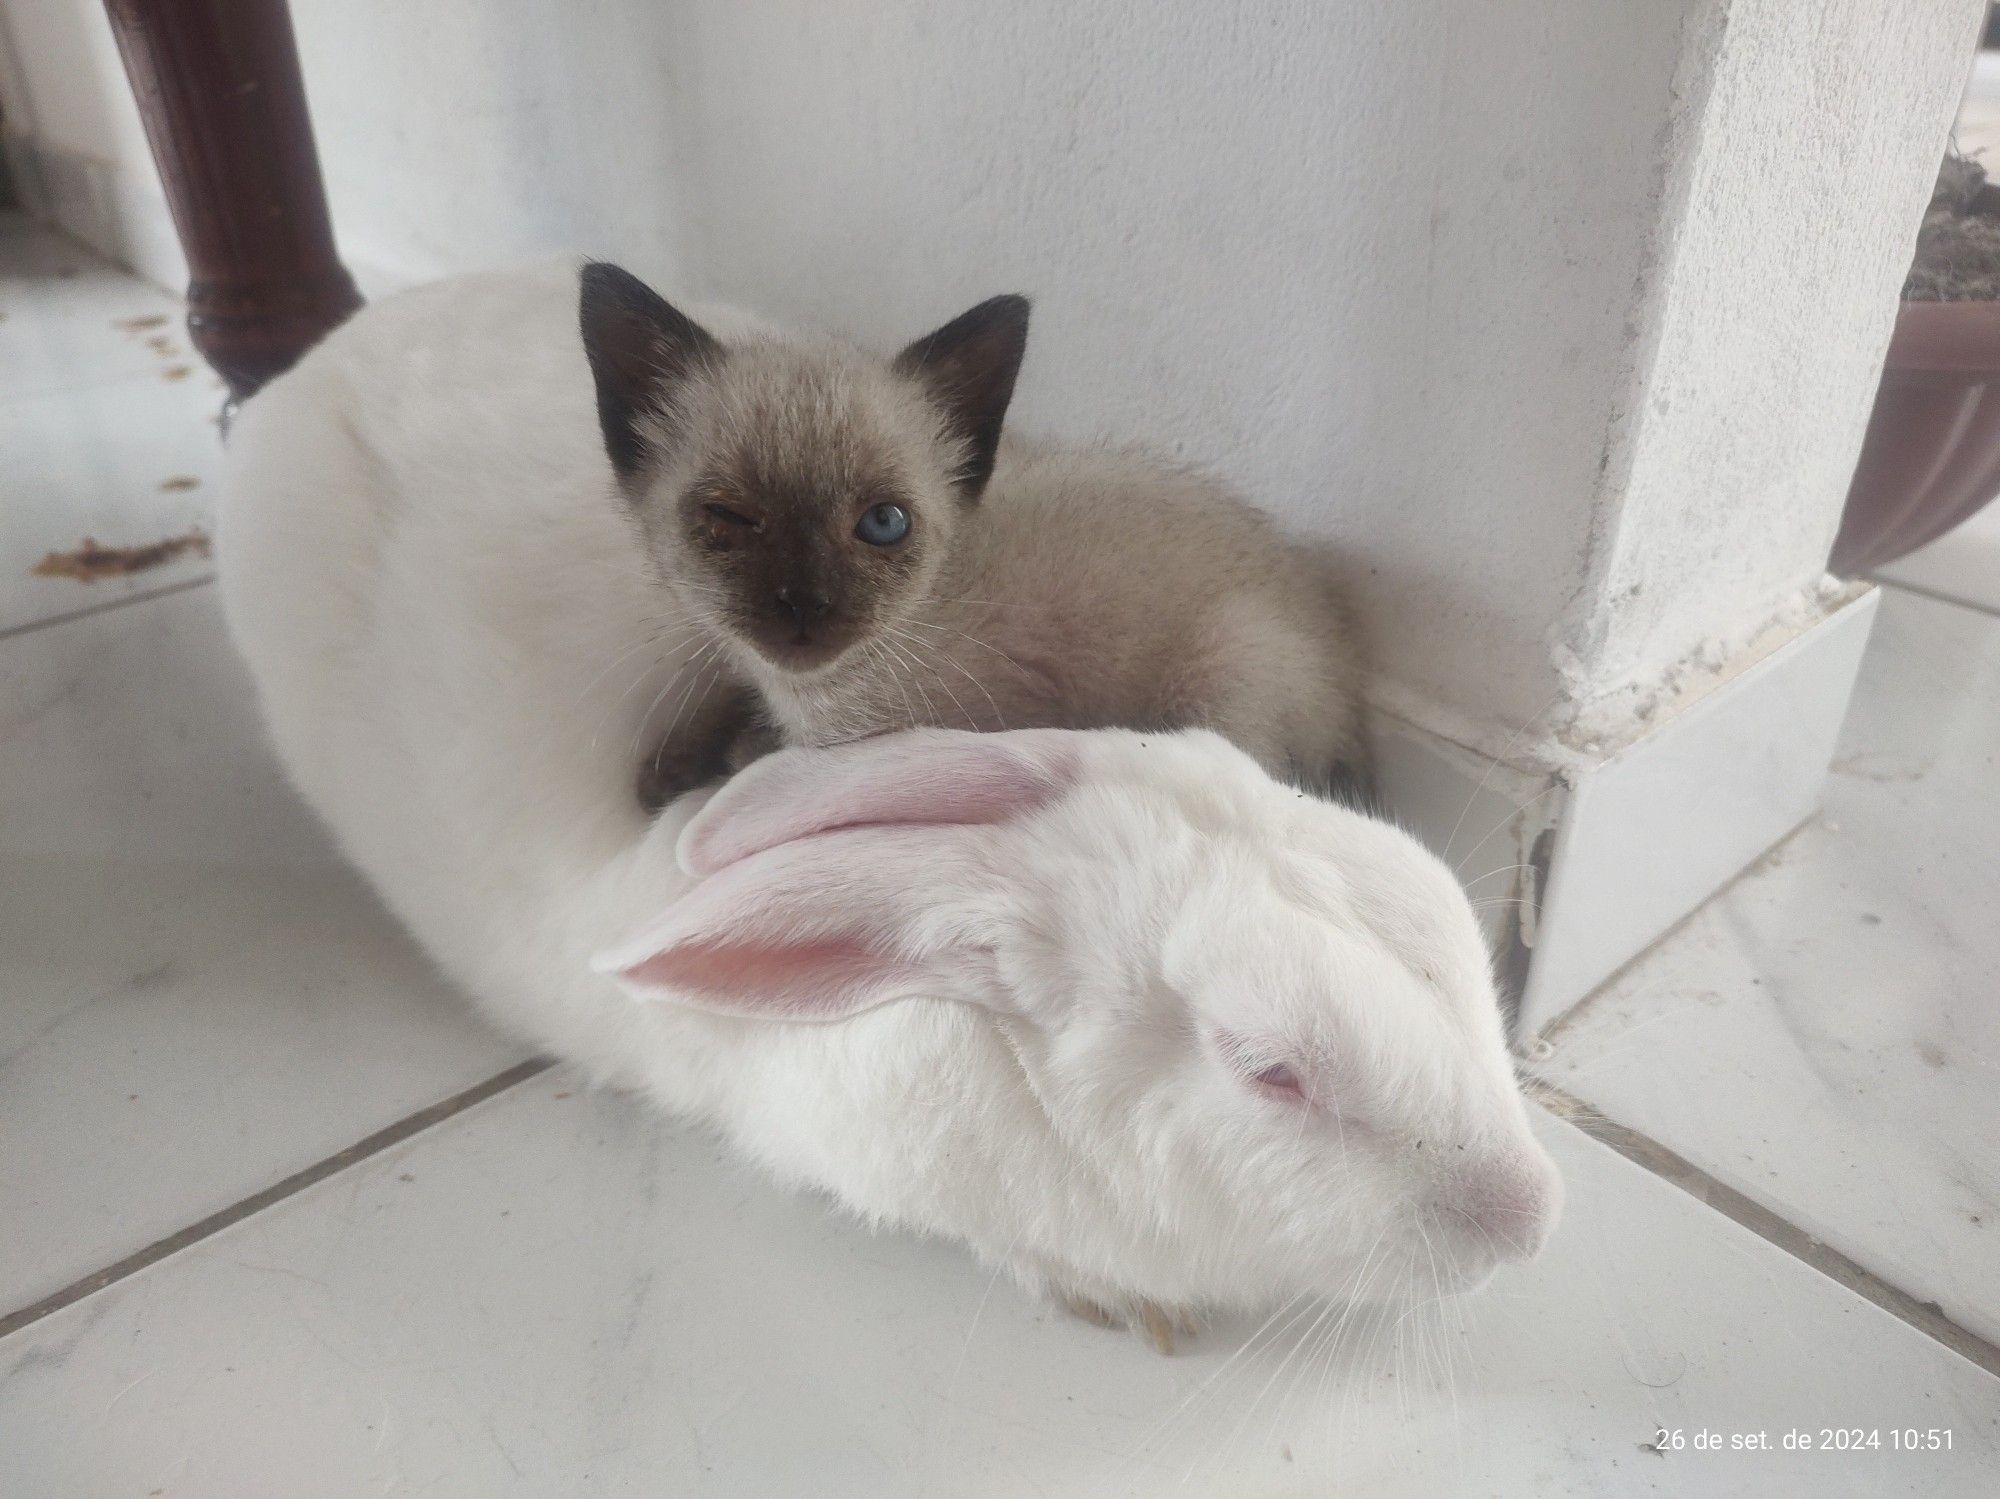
(90, 561)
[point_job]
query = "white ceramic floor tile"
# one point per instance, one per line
(69, 318)
(556, 1294)
(107, 420)
(196, 998)
(1963, 564)
(1825, 1035)
(125, 464)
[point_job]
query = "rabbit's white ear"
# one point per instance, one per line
(924, 776)
(817, 930)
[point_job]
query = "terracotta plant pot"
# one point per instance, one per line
(1932, 453)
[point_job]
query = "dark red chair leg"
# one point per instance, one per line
(224, 107)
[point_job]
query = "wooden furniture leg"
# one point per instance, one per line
(218, 87)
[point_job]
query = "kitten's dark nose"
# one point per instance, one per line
(802, 627)
(803, 607)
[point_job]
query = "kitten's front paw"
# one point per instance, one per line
(668, 776)
(753, 741)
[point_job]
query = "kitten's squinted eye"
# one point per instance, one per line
(732, 517)
(883, 525)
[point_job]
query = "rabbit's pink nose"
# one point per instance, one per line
(1507, 1203)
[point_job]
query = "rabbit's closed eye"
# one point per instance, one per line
(1276, 1077)
(1279, 1079)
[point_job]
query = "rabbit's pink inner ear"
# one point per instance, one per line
(826, 978)
(901, 780)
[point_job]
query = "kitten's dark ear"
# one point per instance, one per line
(970, 364)
(639, 344)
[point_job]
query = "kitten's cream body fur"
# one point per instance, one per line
(1094, 589)
(1074, 588)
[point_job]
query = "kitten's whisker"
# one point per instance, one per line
(639, 734)
(695, 716)
(656, 638)
(916, 675)
(685, 678)
(895, 680)
(938, 653)
(974, 639)
(708, 673)
(623, 656)
(674, 679)
(678, 642)
(915, 646)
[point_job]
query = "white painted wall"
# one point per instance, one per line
(1805, 176)
(1327, 251)
(74, 138)
(1484, 292)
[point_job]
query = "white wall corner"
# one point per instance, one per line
(1579, 857)
(118, 212)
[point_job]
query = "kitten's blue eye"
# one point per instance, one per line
(883, 525)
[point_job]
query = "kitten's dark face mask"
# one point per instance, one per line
(813, 498)
(801, 577)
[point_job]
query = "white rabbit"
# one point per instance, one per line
(1118, 1011)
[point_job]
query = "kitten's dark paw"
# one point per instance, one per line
(666, 777)
(756, 739)
(712, 748)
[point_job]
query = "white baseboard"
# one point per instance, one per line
(1587, 865)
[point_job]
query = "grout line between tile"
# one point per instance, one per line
(105, 606)
(403, 1129)
(1926, 1317)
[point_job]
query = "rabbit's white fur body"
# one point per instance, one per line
(426, 563)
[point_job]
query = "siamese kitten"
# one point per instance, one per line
(866, 554)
